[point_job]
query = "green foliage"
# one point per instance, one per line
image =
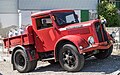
(108, 11)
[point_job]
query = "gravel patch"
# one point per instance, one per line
(93, 66)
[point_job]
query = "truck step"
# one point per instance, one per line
(48, 59)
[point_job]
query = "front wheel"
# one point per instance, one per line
(22, 63)
(70, 59)
(104, 53)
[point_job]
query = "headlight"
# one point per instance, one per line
(91, 40)
(113, 34)
(103, 21)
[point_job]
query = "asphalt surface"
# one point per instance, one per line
(93, 66)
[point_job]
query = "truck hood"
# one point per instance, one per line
(77, 25)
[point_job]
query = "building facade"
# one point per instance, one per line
(117, 3)
(85, 9)
(8, 13)
(17, 12)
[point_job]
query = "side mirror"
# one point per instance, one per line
(113, 34)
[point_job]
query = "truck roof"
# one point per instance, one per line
(50, 11)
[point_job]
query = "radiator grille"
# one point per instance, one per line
(98, 31)
(101, 32)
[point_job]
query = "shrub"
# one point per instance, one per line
(108, 11)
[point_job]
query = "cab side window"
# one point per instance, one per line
(43, 23)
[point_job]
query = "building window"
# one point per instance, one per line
(84, 15)
(117, 3)
(93, 14)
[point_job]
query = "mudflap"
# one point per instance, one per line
(31, 53)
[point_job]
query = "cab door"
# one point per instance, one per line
(45, 34)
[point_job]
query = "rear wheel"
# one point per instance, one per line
(104, 53)
(22, 63)
(70, 59)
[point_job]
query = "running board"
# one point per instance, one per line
(48, 59)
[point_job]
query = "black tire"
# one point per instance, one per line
(104, 53)
(71, 61)
(33, 65)
(22, 63)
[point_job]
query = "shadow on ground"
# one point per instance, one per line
(108, 65)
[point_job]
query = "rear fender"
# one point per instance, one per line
(28, 50)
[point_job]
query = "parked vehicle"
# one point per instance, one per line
(57, 35)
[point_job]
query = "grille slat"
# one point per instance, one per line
(104, 33)
(101, 33)
(98, 31)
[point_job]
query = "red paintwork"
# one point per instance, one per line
(46, 39)
(24, 39)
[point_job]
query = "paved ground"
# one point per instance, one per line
(109, 66)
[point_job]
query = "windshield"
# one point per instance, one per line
(65, 18)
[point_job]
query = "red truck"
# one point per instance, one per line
(57, 35)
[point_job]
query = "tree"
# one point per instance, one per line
(108, 11)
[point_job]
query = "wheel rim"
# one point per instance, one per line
(69, 59)
(20, 60)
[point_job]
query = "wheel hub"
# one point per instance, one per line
(69, 58)
(20, 61)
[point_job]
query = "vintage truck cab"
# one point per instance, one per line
(57, 35)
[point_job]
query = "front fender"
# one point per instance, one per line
(76, 40)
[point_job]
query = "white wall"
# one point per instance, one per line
(78, 12)
(8, 19)
(8, 6)
(26, 17)
(57, 4)
(8, 12)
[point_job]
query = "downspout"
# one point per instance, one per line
(98, 8)
(20, 18)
